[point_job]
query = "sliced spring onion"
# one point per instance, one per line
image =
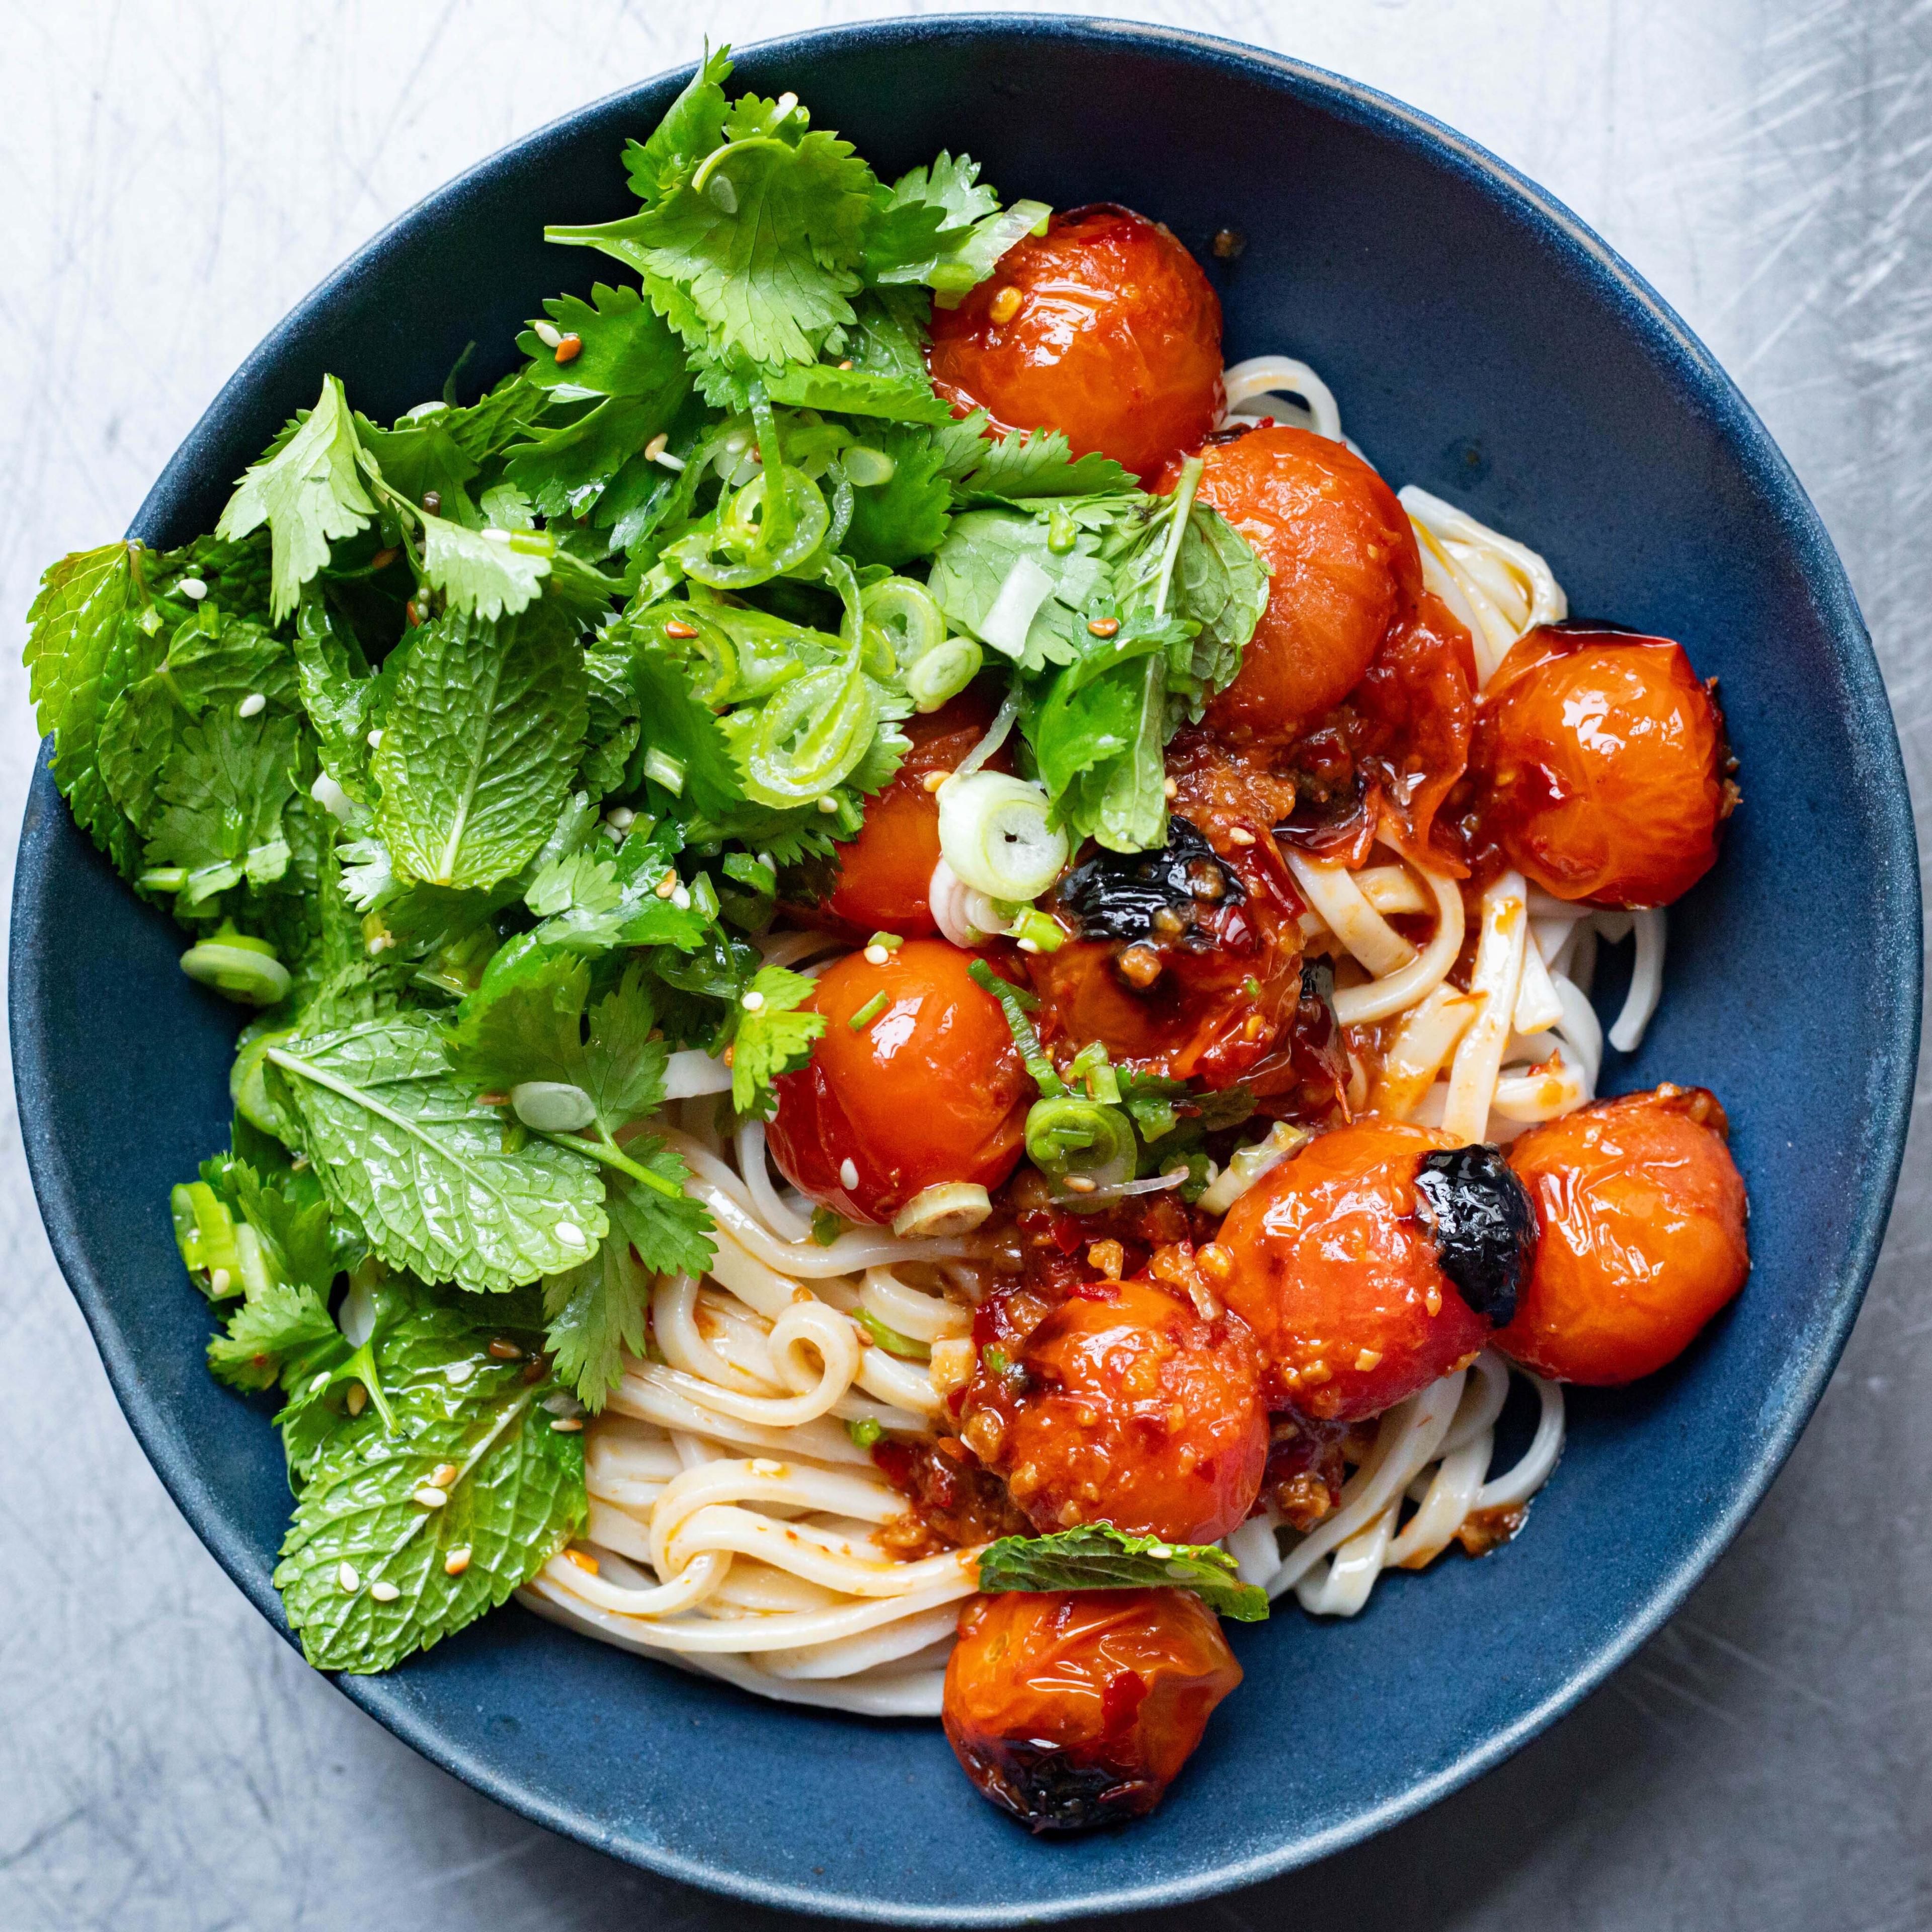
(948, 1208)
(552, 1106)
(1035, 928)
(867, 468)
(245, 969)
(249, 1090)
(994, 833)
(1026, 589)
(1247, 1166)
(667, 770)
(1067, 1135)
(692, 1073)
(810, 735)
(944, 673)
(904, 614)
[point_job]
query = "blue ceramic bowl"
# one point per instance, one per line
(1484, 344)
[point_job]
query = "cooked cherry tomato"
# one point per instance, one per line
(1348, 1258)
(1125, 1406)
(1603, 762)
(1345, 571)
(1071, 1709)
(928, 1088)
(885, 874)
(1104, 328)
(1643, 1212)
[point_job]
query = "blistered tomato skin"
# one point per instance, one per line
(928, 1089)
(1642, 1217)
(1070, 1710)
(1338, 1273)
(885, 874)
(1601, 759)
(1127, 1407)
(1114, 339)
(1345, 571)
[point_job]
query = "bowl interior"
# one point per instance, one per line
(1482, 345)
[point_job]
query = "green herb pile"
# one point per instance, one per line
(473, 751)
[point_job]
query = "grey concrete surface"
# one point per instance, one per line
(173, 174)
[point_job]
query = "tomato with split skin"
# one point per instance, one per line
(929, 1088)
(1072, 1709)
(1104, 328)
(1347, 1260)
(884, 881)
(1642, 1215)
(1344, 572)
(1125, 1404)
(1601, 766)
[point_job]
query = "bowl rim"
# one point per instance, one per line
(385, 1699)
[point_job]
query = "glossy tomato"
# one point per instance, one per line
(885, 874)
(1071, 1709)
(1345, 571)
(1602, 762)
(928, 1087)
(1124, 1405)
(1642, 1212)
(1104, 328)
(1347, 1261)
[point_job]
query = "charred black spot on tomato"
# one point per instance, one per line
(1051, 1791)
(1162, 895)
(1484, 1226)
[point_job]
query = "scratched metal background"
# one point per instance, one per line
(174, 173)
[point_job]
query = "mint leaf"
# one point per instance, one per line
(1097, 1556)
(219, 798)
(401, 1144)
(1221, 584)
(484, 732)
(487, 573)
(336, 692)
(516, 1496)
(308, 493)
(770, 1039)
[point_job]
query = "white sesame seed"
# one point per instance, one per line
(622, 817)
(567, 1425)
(376, 740)
(346, 1576)
(219, 1282)
(299, 1165)
(721, 190)
(876, 955)
(193, 588)
(669, 461)
(429, 1496)
(1172, 787)
(681, 899)
(457, 1373)
(828, 804)
(656, 447)
(252, 706)
(611, 832)
(456, 1561)
(548, 333)
(384, 1593)
(572, 1235)
(752, 1000)
(1081, 1183)
(848, 1173)
(784, 103)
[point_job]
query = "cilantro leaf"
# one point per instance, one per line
(628, 348)
(399, 1143)
(1016, 468)
(484, 732)
(857, 392)
(590, 903)
(310, 494)
(485, 573)
(983, 549)
(1097, 1556)
(277, 1324)
(516, 1496)
(692, 126)
(770, 1039)
(422, 456)
(906, 516)
(903, 243)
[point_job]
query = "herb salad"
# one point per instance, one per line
(474, 753)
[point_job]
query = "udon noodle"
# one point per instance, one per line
(737, 1526)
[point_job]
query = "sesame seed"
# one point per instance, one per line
(567, 1425)
(219, 1281)
(1006, 304)
(764, 1465)
(359, 1398)
(666, 885)
(346, 1576)
(252, 706)
(828, 804)
(411, 616)
(505, 1351)
(933, 781)
(1081, 1183)
(443, 1475)
(752, 1000)
(429, 1496)
(457, 1373)
(656, 447)
(1172, 787)
(677, 627)
(384, 1593)
(432, 501)
(847, 363)
(193, 588)
(548, 333)
(572, 1235)
(375, 738)
(1104, 627)
(382, 560)
(1241, 835)
(456, 1561)
(848, 1172)
(583, 1560)
(876, 955)
(681, 899)
(620, 817)
(570, 348)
